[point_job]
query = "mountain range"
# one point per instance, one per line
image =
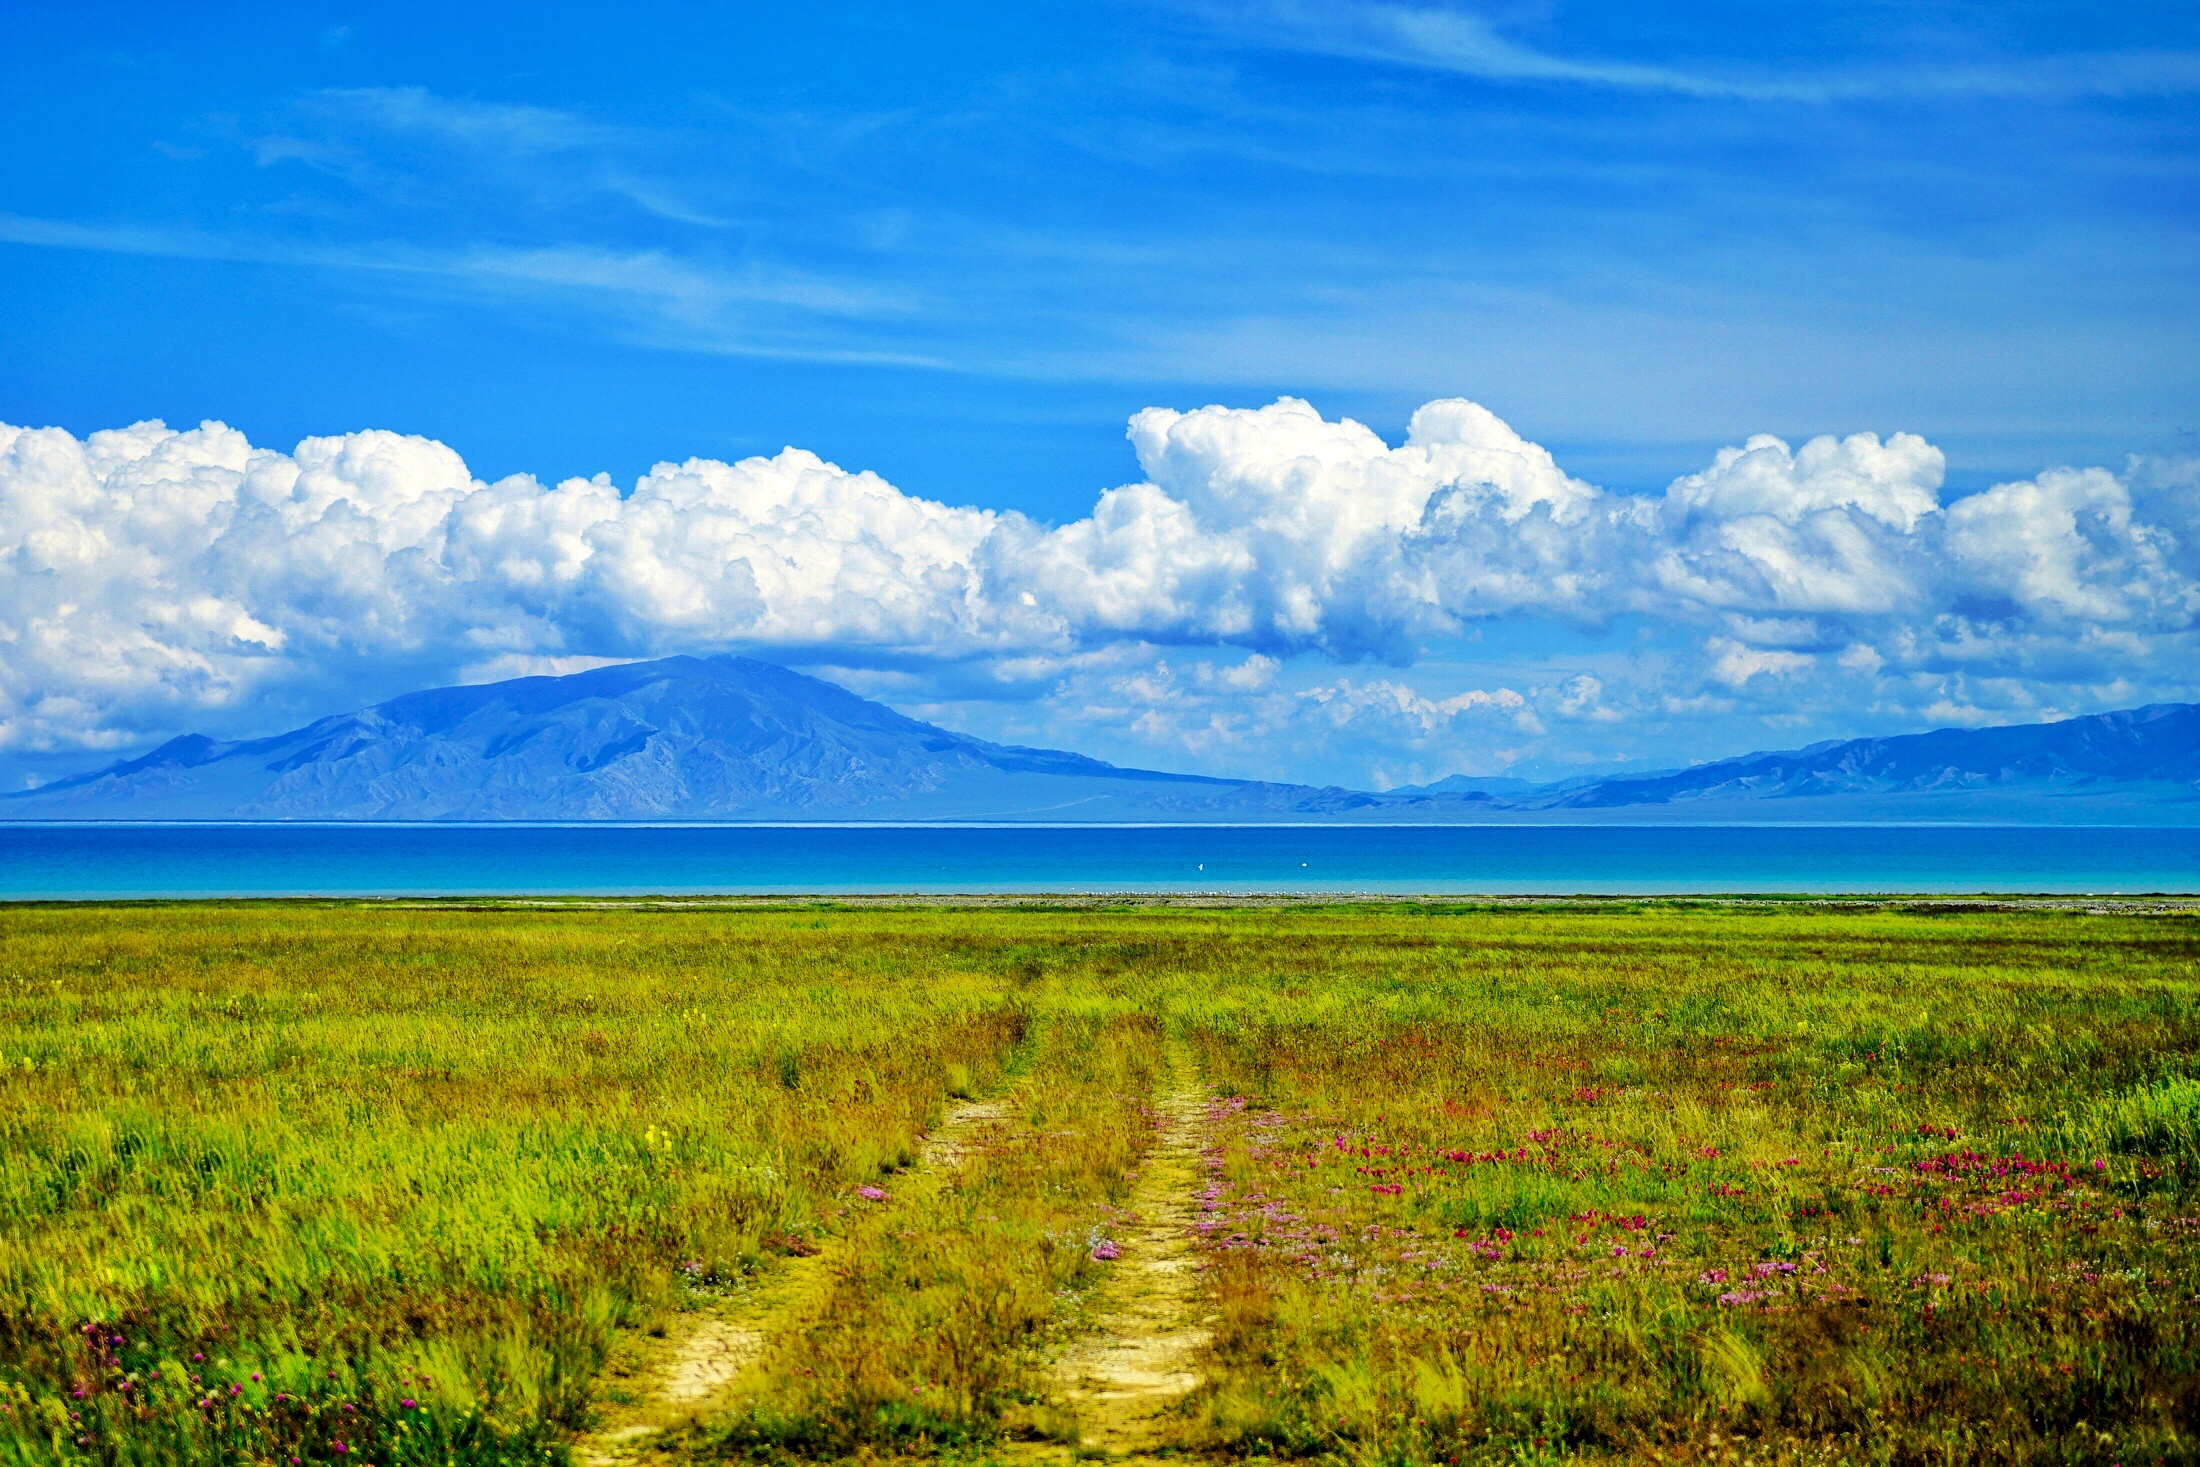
(731, 738)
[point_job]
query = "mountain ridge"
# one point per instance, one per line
(733, 738)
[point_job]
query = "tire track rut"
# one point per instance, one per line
(1140, 1359)
(693, 1371)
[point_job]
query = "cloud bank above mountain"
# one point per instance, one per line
(152, 580)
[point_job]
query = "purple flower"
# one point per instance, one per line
(1106, 1252)
(871, 1194)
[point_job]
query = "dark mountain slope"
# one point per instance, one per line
(2157, 745)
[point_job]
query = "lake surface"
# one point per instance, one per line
(88, 861)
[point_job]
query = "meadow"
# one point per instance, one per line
(409, 1183)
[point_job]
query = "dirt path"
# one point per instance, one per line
(1121, 1379)
(672, 1382)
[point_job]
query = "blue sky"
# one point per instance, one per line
(961, 246)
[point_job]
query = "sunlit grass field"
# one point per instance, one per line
(394, 1184)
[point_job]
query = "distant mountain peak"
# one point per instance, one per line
(734, 738)
(688, 738)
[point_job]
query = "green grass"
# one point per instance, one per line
(1640, 1182)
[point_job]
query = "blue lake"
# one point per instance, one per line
(87, 861)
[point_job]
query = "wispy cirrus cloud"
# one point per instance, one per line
(1467, 43)
(550, 152)
(501, 127)
(659, 298)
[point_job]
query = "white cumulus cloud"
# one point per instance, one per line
(153, 580)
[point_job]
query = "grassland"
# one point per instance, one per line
(323, 1183)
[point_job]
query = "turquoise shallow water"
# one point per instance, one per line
(87, 861)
